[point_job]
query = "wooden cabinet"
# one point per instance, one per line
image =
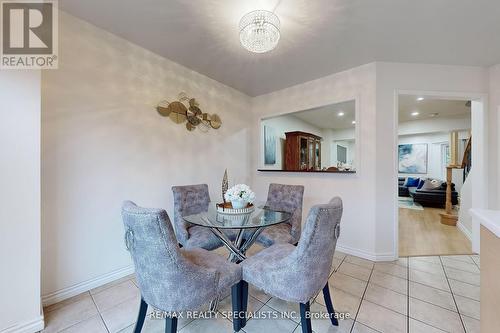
(302, 151)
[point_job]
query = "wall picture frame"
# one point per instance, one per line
(269, 146)
(413, 158)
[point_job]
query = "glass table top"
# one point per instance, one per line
(261, 216)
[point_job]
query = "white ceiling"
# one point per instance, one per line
(318, 37)
(428, 107)
(327, 117)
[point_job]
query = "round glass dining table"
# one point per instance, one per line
(249, 225)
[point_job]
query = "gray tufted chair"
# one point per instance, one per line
(286, 198)
(188, 200)
(172, 279)
(296, 274)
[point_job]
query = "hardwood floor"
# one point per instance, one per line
(422, 234)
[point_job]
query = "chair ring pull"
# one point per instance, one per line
(337, 231)
(129, 239)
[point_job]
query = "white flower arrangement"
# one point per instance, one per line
(240, 192)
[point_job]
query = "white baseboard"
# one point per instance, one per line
(365, 254)
(35, 325)
(464, 230)
(61, 295)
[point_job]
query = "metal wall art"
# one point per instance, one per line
(187, 110)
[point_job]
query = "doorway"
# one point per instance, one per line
(424, 147)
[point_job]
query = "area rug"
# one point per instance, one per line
(407, 202)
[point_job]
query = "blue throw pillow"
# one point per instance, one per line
(421, 183)
(412, 182)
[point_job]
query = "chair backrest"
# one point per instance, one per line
(161, 270)
(188, 200)
(288, 198)
(317, 242)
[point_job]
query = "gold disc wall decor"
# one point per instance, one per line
(179, 113)
(215, 121)
(163, 109)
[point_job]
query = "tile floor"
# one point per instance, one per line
(414, 295)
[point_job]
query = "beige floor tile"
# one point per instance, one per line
(111, 284)
(335, 264)
(342, 301)
(121, 316)
(468, 307)
(208, 325)
(360, 328)
(225, 305)
(431, 259)
(269, 321)
(463, 266)
(392, 269)
(66, 302)
(476, 260)
(348, 284)
(435, 316)
(380, 318)
(70, 314)
(339, 255)
(429, 279)
(419, 327)
(360, 261)
(390, 282)
(403, 261)
(93, 324)
(465, 289)
(325, 326)
(471, 325)
(387, 298)
(284, 307)
(463, 258)
(427, 267)
(359, 272)
(463, 276)
(115, 295)
(258, 294)
(432, 295)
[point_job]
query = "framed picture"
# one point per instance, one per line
(412, 158)
(269, 146)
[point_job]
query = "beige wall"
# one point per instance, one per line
(103, 142)
(356, 190)
(20, 309)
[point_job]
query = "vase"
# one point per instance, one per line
(239, 203)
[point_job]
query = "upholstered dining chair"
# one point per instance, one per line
(172, 279)
(296, 274)
(286, 198)
(188, 200)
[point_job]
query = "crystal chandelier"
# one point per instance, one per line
(259, 31)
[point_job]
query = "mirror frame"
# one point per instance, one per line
(356, 99)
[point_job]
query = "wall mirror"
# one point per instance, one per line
(322, 139)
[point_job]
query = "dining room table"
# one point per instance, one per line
(247, 224)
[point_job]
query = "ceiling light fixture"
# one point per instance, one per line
(420, 99)
(354, 122)
(340, 114)
(415, 113)
(259, 31)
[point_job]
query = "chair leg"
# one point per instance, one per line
(305, 321)
(236, 302)
(171, 325)
(143, 308)
(244, 302)
(329, 305)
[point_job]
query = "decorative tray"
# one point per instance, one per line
(227, 208)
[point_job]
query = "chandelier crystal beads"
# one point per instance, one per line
(259, 31)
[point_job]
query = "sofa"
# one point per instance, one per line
(428, 198)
